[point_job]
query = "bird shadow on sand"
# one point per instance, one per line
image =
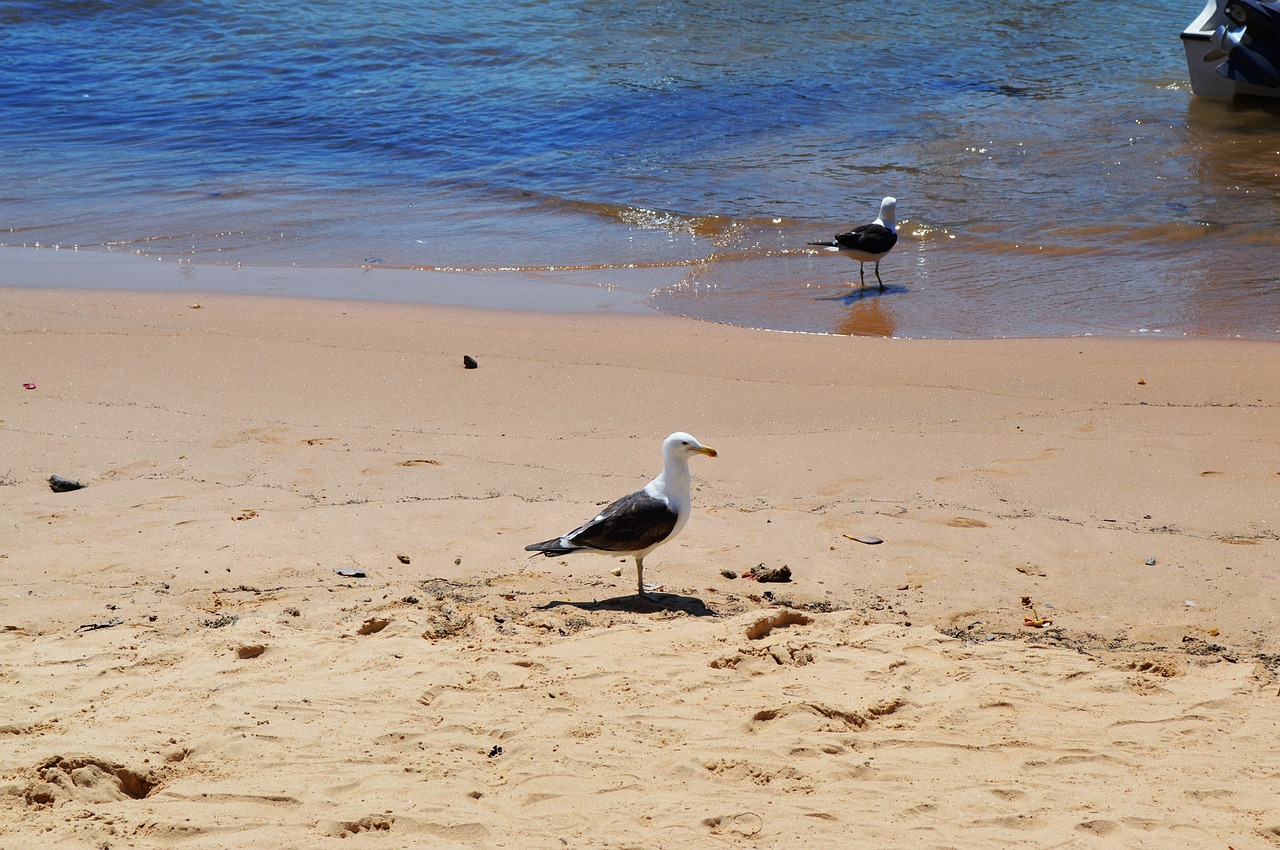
(859, 293)
(691, 605)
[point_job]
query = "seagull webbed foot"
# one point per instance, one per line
(646, 591)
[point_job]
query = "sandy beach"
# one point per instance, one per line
(1069, 636)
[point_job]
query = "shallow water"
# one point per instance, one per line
(1054, 174)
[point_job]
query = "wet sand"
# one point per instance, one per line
(618, 290)
(239, 691)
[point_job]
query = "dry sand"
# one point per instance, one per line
(463, 695)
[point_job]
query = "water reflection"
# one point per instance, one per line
(1235, 152)
(868, 311)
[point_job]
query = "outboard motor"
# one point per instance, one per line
(1256, 59)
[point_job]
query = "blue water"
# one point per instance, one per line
(1053, 170)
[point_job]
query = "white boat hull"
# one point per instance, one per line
(1198, 44)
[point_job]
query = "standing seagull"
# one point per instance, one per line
(641, 522)
(868, 242)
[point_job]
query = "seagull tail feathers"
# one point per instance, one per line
(825, 244)
(550, 548)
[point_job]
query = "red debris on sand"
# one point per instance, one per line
(28, 386)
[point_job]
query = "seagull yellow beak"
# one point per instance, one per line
(707, 450)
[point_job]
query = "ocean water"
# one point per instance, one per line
(1054, 173)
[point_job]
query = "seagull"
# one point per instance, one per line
(868, 242)
(637, 524)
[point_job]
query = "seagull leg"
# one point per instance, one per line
(642, 589)
(878, 275)
(862, 275)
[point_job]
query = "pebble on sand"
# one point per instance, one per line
(58, 484)
(767, 574)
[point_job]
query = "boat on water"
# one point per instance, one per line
(1233, 49)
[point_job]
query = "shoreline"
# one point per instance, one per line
(569, 290)
(543, 291)
(185, 660)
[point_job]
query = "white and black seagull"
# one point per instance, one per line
(868, 242)
(637, 524)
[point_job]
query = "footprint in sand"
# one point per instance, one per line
(382, 470)
(1047, 454)
(967, 522)
(371, 823)
(1099, 827)
(93, 779)
(746, 824)
(269, 436)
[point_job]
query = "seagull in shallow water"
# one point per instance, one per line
(637, 524)
(868, 242)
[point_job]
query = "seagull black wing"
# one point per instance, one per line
(631, 524)
(872, 238)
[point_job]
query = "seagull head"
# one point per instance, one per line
(888, 212)
(682, 445)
